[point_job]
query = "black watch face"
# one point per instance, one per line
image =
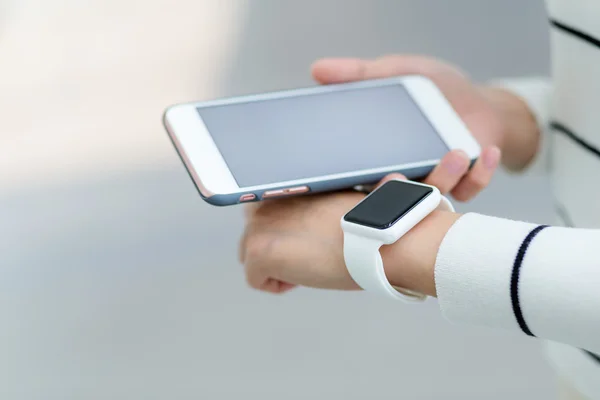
(386, 205)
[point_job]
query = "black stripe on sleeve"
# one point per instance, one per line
(514, 281)
(560, 127)
(576, 32)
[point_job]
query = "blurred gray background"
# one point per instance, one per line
(117, 281)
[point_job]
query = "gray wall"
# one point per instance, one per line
(129, 288)
(487, 38)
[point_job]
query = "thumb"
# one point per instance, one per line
(338, 70)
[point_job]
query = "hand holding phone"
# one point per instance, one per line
(316, 139)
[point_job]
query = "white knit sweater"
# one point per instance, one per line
(544, 281)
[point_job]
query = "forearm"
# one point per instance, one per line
(521, 133)
(523, 108)
(410, 262)
(506, 274)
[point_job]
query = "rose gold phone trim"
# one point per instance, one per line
(272, 193)
(285, 192)
(207, 193)
(298, 190)
(188, 165)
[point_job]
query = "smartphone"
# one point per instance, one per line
(316, 139)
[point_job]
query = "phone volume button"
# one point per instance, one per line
(285, 192)
(298, 190)
(273, 193)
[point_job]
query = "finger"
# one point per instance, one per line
(449, 172)
(391, 177)
(338, 70)
(294, 259)
(276, 287)
(479, 176)
(258, 277)
(261, 263)
(256, 249)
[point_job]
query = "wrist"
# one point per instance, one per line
(520, 131)
(410, 262)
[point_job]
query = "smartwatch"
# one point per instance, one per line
(383, 217)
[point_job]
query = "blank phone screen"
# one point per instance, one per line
(307, 136)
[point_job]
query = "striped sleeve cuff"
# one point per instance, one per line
(474, 270)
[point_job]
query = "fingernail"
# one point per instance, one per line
(491, 157)
(456, 163)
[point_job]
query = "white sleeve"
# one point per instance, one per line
(536, 92)
(542, 281)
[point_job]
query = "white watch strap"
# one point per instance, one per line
(365, 264)
(366, 267)
(445, 204)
